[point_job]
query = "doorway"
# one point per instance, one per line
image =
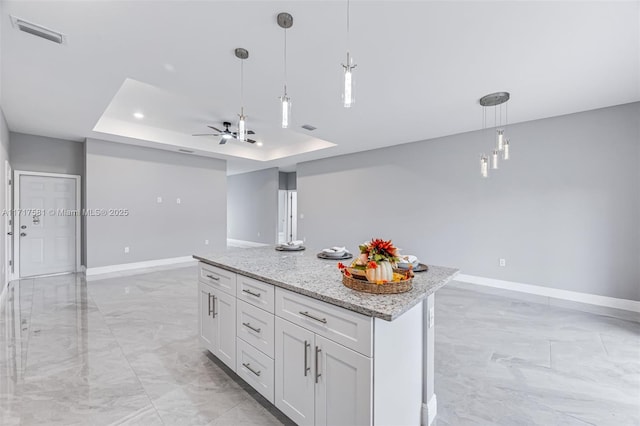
(46, 223)
(287, 216)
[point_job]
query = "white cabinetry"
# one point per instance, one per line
(313, 360)
(319, 381)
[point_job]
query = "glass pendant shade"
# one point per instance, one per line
(505, 152)
(494, 159)
(500, 139)
(242, 131)
(484, 166)
(348, 96)
(286, 110)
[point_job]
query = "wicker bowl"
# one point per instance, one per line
(369, 287)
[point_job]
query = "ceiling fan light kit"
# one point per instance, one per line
(495, 100)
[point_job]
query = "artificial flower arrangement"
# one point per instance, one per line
(376, 263)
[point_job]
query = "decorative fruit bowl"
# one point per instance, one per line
(373, 271)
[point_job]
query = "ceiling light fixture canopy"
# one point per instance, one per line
(348, 95)
(285, 21)
(242, 54)
(495, 100)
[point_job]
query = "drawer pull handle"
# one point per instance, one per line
(210, 305)
(248, 367)
(251, 293)
(306, 367)
(246, 324)
(308, 315)
(318, 350)
(213, 278)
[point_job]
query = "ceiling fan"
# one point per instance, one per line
(226, 133)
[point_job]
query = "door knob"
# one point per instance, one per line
(23, 227)
(22, 234)
(9, 233)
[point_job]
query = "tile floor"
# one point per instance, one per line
(124, 351)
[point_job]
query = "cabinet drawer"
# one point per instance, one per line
(256, 292)
(218, 278)
(255, 368)
(348, 328)
(255, 327)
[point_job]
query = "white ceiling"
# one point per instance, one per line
(422, 66)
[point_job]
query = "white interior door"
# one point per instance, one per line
(46, 234)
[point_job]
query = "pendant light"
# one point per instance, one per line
(242, 54)
(502, 142)
(348, 96)
(285, 21)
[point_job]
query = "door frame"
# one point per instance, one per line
(8, 222)
(16, 202)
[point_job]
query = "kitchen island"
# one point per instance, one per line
(321, 352)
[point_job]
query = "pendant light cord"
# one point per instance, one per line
(285, 62)
(348, 10)
(242, 85)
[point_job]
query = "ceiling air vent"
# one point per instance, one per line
(186, 151)
(38, 30)
(309, 127)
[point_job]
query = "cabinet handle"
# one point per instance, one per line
(213, 311)
(248, 367)
(251, 293)
(213, 278)
(246, 324)
(210, 309)
(318, 350)
(306, 314)
(306, 367)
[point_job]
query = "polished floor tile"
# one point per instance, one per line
(123, 350)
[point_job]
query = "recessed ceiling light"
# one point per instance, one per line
(259, 143)
(138, 115)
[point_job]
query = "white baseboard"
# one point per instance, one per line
(140, 265)
(429, 411)
(244, 244)
(574, 296)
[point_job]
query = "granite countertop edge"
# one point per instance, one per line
(334, 301)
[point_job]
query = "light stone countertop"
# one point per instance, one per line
(304, 273)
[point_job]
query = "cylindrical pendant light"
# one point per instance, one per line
(505, 152)
(285, 21)
(242, 54)
(348, 94)
(484, 166)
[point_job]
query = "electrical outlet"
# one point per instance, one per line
(126, 249)
(301, 215)
(258, 234)
(206, 242)
(178, 201)
(159, 200)
(126, 290)
(503, 262)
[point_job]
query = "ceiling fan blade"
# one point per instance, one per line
(250, 141)
(204, 134)
(223, 141)
(214, 128)
(251, 132)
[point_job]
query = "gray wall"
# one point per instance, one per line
(252, 206)
(130, 177)
(43, 154)
(287, 180)
(564, 211)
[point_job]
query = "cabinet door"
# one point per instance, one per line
(225, 316)
(294, 372)
(344, 391)
(206, 321)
